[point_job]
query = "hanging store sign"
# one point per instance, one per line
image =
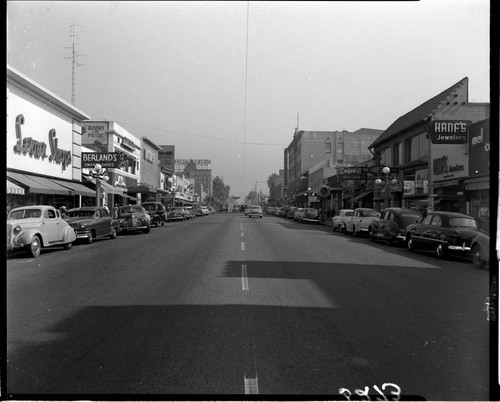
(106, 159)
(449, 131)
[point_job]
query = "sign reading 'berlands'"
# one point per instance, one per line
(105, 159)
(449, 131)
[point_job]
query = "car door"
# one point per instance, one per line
(52, 225)
(103, 222)
(419, 230)
(432, 232)
(381, 224)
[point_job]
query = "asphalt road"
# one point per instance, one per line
(224, 304)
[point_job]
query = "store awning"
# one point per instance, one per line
(360, 196)
(477, 183)
(128, 197)
(14, 188)
(77, 188)
(38, 185)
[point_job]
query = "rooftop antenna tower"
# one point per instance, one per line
(74, 63)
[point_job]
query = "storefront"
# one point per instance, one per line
(43, 146)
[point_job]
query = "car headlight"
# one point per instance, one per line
(83, 225)
(17, 229)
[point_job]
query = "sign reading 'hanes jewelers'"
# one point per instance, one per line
(449, 131)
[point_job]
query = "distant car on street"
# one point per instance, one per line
(37, 226)
(254, 210)
(338, 221)
(391, 226)
(134, 218)
(156, 211)
(177, 214)
(91, 223)
(444, 233)
(310, 215)
(360, 221)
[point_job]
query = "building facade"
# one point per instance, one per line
(43, 147)
(429, 148)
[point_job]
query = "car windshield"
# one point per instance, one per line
(81, 214)
(129, 210)
(463, 222)
(368, 213)
(150, 207)
(25, 214)
(409, 218)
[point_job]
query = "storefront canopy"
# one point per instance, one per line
(77, 188)
(38, 185)
(14, 188)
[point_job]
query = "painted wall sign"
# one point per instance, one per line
(38, 149)
(449, 131)
(95, 135)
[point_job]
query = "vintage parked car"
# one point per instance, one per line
(359, 221)
(480, 249)
(156, 211)
(298, 214)
(290, 213)
(338, 221)
(190, 212)
(134, 218)
(309, 215)
(37, 226)
(177, 214)
(391, 226)
(92, 223)
(444, 233)
(254, 210)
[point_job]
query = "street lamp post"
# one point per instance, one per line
(308, 195)
(99, 173)
(387, 179)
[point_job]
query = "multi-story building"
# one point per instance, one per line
(276, 187)
(148, 188)
(309, 149)
(197, 169)
(429, 148)
(104, 137)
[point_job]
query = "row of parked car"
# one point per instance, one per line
(301, 215)
(445, 233)
(38, 226)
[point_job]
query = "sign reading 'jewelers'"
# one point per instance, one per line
(449, 131)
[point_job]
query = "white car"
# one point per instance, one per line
(38, 226)
(338, 221)
(254, 210)
(360, 221)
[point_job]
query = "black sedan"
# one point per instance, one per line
(92, 223)
(391, 226)
(444, 233)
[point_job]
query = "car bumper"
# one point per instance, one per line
(83, 234)
(463, 248)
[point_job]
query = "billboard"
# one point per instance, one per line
(95, 135)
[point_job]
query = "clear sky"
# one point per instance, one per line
(226, 81)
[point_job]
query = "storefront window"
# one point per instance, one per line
(417, 148)
(397, 154)
(385, 157)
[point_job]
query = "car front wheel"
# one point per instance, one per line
(146, 231)
(35, 247)
(113, 233)
(476, 257)
(409, 243)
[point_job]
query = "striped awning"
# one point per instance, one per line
(14, 189)
(38, 185)
(77, 188)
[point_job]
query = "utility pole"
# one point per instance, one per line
(74, 63)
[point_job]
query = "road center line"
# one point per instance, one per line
(242, 234)
(251, 386)
(242, 246)
(244, 277)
